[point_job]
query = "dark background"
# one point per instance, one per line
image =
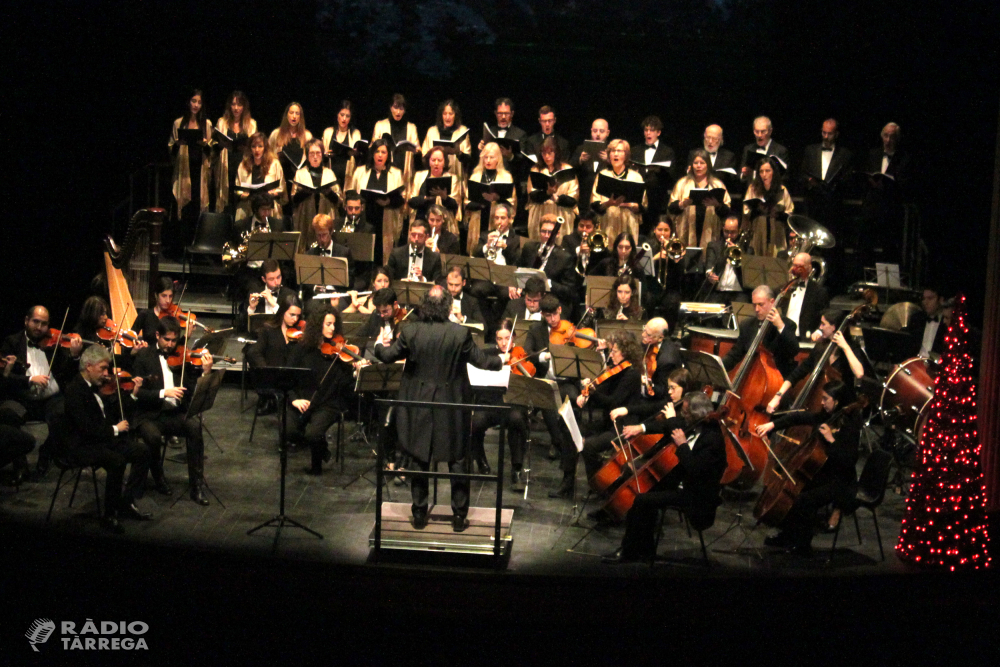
(91, 91)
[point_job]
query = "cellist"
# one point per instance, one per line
(780, 340)
(701, 451)
(839, 430)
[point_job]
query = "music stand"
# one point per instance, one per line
(503, 275)
(280, 379)
(606, 327)
(531, 394)
(203, 399)
(257, 321)
(599, 291)
(769, 271)
(521, 328)
(362, 246)
(888, 346)
(352, 323)
(411, 292)
(743, 312)
(377, 377)
(315, 270)
(522, 275)
(280, 246)
(570, 361)
(215, 343)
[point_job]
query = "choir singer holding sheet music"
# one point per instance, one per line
(560, 194)
(617, 215)
(192, 164)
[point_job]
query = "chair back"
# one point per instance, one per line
(874, 478)
(214, 230)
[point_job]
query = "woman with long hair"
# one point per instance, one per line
(615, 215)
(622, 255)
(698, 224)
(559, 199)
(342, 162)
(626, 301)
(237, 124)
(399, 130)
(489, 170)
(766, 208)
(259, 166)
(446, 127)
(288, 141)
(315, 190)
(192, 164)
(379, 174)
(420, 199)
(380, 280)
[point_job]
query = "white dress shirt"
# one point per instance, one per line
(168, 381)
(650, 152)
(38, 364)
(930, 333)
(826, 157)
(728, 282)
(417, 261)
(795, 306)
(885, 162)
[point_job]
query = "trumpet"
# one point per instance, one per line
(597, 240)
(432, 242)
(493, 248)
(734, 253)
(234, 255)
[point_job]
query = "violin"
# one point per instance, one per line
(294, 333)
(194, 357)
(56, 337)
(107, 333)
(611, 372)
(399, 315)
(518, 363)
(120, 381)
(338, 347)
(648, 368)
(567, 334)
(173, 310)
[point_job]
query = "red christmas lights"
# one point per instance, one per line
(944, 525)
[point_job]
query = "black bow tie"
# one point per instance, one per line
(416, 255)
(827, 150)
(936, 318)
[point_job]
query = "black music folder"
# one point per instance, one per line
(308, 187)
(477, 190)
(190, 137)
(540, 181)
(615, 187)
(754, 158)
(288, 158)
(256, 187)
(513, 145)
(594, 149)
(394, 196)
(237, 143)
(401, 145)
(360, 147)
(699, 195)
(454, 141)
(442, 182)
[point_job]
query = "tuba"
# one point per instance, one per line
(810, 234)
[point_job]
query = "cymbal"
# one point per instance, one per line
(899, 315)
(812, 230)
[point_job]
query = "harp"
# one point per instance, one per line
(134, 268)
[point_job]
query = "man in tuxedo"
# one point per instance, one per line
(780, 340)
(509, 251)
(35, 393)
(386, 305)
(727, 280)
(659, 180)
(163, 404)
(826, 171)
(882, 207)
(528, 305)
(354, 219)
(266, 301)
(547, 124)
(763, 144)
(564, 282)
(693, 484)
(504, 128)
(94, 436)
(464, 307)
(576, 244)
(928, 325)
(588, 166)
(721, 158)
(808, 300)
(414, 261)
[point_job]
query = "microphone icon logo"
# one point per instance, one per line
(39, 632)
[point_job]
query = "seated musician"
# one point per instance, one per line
(364, 304)
(273, 291)
(440, 238)
(836, 482)
(163, 403)
(414, 261)
(274, 339)
(35, 391)
(666, 357)
(618, 386)
(353, 220)
(386, 313)
(246, 278)
(464, 307)
(515, 420)
(148, 319)
(15, 444)
(320, 401)
(808, 299)
(94, 315)
(664, 295)
(780, 339)
(576, 244)
(501, 246)
(928, 325)
(528, 305)
(556, 263)
(646, 407)
(844, 360)
(625, 302)
(693, 484)
(622, 257)
(325, 246)
(726, 279)
(97, 434)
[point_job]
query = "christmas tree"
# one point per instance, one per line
(945, 521)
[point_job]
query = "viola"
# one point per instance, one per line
(518, 363)
(126, 338)
(338, 347)
(611, 372)
(567, 334)
(173, 310)
(294, 333)
(195, 357)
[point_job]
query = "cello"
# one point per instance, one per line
(755, 381)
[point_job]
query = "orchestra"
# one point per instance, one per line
(505, 274)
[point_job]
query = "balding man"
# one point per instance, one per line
(587, 165)
(35, 393)
(825, 172)
(726, 279)
(764, 144)
(888, 171)
(780, 340)
(721, 158)
(808, 300)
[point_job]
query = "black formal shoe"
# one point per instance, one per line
(553, 453)
(565, 489)
(459, 523)
(111, 524)
(197, 496)
(613, 558)
(161, 486)
(311, 470)
(517, 480)
(483, 466)
(779, 540)
(420, 520)
(130, 511)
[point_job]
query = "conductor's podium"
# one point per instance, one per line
(398, 532)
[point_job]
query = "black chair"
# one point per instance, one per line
(214, 230)
(66, 464)
(871, 493)
(700, 521)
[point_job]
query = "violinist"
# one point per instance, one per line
(626, 302)
(273, 291)
(46, 365)
(514, 420)
(148, 319)
(274, 340)
(660, 360)
(844, 359)
(780, 340)
(414, 261)
(386, 316)
(464, 307)
(163, 404)
(320, 400)
(93, 325)
(97, 434)
(838, 426)
(614, 388)
(693, 484)
(556, 263)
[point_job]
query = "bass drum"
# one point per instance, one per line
(907, 394)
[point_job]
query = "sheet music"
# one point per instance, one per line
(566, 412)
(482, 378)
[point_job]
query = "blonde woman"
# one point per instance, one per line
(559, 200)
(489, 170)
(615, 215)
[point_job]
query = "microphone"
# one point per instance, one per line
(39, 632)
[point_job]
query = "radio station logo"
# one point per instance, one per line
(91, 636)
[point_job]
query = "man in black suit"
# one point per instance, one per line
(577, 245)
(888, 170)
(780, 340)
(272, 292)
(659, 180)
(436, 353)
(464, 307)
(588, 166)
(808, 300)
(94, 436)
(354, 220)
(763, 144)
(527, 307)
(726, 279)
(721, 158)
(508, 249)
(558, 266)
(414, 261)
(694, 484)
(163, 403)
(547, 122)
(35, 393)
(929, 325)
(504, 128)
(825, 172)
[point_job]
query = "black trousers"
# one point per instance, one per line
(558, 432)
(14, 444)
(46, 410)
(170, 424)
(593, 449)
(311, 428)
(459, 488)
(516, 422)
(113, 458)
(800, 521)
(639, 542)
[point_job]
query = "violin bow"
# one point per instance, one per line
(55, 348)
(629, 458)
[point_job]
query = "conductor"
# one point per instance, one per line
(436, 352)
